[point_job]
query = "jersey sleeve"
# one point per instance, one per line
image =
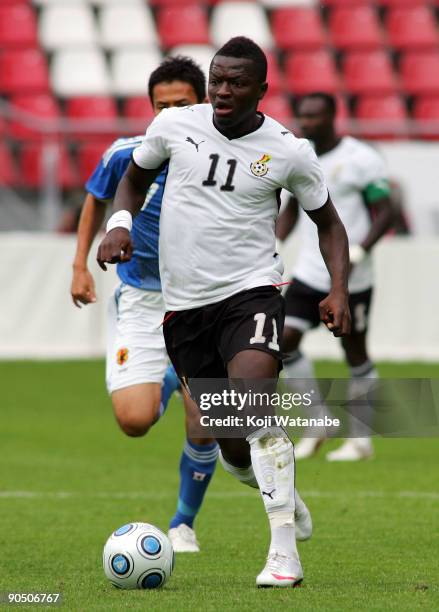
(372, 176)
(103, 182)
(305, 179)
(154, 149)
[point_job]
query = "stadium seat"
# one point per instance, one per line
(419, 72)
(355, 28)
(23, 71)
(368, 73)
(387, 114)
(277, 4)
(174, 3)
(18, 26)
(201, 54)
(101, 111)
(8, 170)
(426, 113)
(138, 108)
(233, 18)
(182, 25)
(65, 26)
(275, 78)
(412, 28)
(42, 107)
(130, 71)
(127, 26)
(32, 171)
(312, 71)
(89, 155)
(402, 3)
(278, 107)
(344, 3)
(70, 79)
(298, 28)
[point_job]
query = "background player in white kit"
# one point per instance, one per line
(357, 180)
(218, 260)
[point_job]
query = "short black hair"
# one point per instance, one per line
(244, 48)
(179, 68)
(328, 99)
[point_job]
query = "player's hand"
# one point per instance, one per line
(83, 287)
(335, 314)
(116, 247)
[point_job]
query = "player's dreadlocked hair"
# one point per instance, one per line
(328, 99)
(242, 47)
(179, 68)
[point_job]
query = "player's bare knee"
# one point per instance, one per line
(133, 416)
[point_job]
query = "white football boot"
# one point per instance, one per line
(307, 447)
(280, 571)
(183, 539)
(302, 519)
(352, 449)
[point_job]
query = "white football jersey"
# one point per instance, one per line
(351, 169)
(221, 202)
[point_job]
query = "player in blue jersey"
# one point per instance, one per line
(138, 377)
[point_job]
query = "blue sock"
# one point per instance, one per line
(197, 466)
(170, 383)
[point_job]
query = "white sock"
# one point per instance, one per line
(272, 456)
(361, 390)
(244, 475)
(298, 367)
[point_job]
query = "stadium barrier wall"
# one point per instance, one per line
(39, 320)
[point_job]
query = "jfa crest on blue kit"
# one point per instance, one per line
(142, 271)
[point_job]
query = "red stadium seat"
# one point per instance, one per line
(23, 71)
(355, 28)
(368, 73)
(333, 3)
(312, 71)
(138, 108)
(8, 171)
(426, 113)
(387, 112)
(278, 107)
(182, 25)
(165, 3)
(89, 156)
(402, 3)
(275, 78)
(32, 167)
(419, 72)
(42, 107)
(412, 28)
(298, 28)
(101, 113)
(18, 26)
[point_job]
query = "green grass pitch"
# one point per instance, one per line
(68, 477)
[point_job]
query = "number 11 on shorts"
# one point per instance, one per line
(259, 338)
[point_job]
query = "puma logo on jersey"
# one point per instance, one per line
(269, 493)
(285, 132)
(196, 144)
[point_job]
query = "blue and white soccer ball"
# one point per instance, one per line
(138, 556)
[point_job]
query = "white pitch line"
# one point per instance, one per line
(432, 495)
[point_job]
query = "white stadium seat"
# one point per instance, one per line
(202, 54)
(58, 3)
(127, 26)
(80, 73)
(63, 26)
(130, 70)
(240, 19)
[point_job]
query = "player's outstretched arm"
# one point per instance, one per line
(92, 216)
(287, 220)
(334, 310)
(130, 196)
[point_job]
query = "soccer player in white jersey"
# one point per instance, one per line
(138, 379)
(357, 180)
(218, 260)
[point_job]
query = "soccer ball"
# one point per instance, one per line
(138, 556)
